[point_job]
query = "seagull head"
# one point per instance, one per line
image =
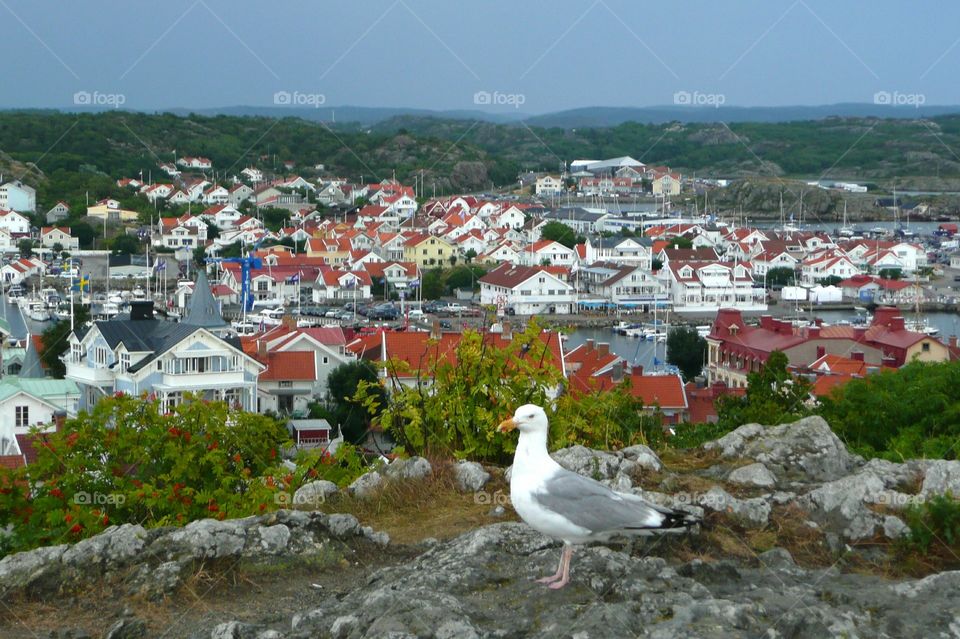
(529, 418)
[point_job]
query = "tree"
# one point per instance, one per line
(891, 273)
(560, 232)
(469, 255)
(453, 260)
(213, 231)
(26, 247)
(84, 234)
(910, 412)
(774, 396)
(433, 286)
(464, 277)
(352, 415)
(656, 264)
(687, 350)
(781, 276)
(125, 245)
(54, 341)
(680, 242)
(831, 280)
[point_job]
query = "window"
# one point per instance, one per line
(926, 347)
(22, 416)
(286, 384)
(124, 361)
(326, 360)
(100, 356)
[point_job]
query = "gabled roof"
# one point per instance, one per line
(289, 366)
(203, 311)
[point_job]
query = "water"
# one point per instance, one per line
(633, 349)
(639, 351)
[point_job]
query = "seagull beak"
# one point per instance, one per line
(507, 425)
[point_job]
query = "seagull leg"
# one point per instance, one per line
(558, 574)
(565, 564)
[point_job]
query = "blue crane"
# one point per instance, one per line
(246, 263)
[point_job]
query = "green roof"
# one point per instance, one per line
(52, 391)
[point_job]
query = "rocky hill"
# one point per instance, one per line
(795, 543)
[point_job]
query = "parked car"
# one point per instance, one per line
(453, 308)
(416, 314)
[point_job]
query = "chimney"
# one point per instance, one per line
(766, 321)
(952, 341)
(603, 349)
(617, 372)
(856, 356)
(821, 351)
(813, 331)
(507, 332)
(435, 329)
(262, 348)
(588, 346)
(288, 321)
(897, 323)
(59, 419)
(637, 370)
(859, 332)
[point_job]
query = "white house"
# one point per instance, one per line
(705, 286)
(526, 290)
(548, 251)
(342, 286)
(17, 196)
(50, 236)
(814, 269)
(548, 185)
(14, 223)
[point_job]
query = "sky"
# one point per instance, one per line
(531, 56)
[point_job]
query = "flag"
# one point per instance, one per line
(161, 265)
(351, 282)
(414, 283)
(293, 279)
(84, 281)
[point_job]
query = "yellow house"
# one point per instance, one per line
(667, 184)
(428, 250)
(332, 251)
(110, 210)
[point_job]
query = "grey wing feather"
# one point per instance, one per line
(591, 505)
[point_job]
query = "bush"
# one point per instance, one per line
(125, 462)
(934, 523)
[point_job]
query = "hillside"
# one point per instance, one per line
(463, 155)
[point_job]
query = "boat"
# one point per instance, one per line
(920, 325)
(62, 312)
(704, 329)
(244, 328)
(38, 311)
(138, 293)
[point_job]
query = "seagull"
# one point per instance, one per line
(567, 506)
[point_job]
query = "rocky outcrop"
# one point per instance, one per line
(154, 562)
(470, 476)
(806, 450)
(481, 585)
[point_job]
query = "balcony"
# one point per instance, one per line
(203, 381)
(83, 374)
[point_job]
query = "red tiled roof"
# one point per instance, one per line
(289, 365)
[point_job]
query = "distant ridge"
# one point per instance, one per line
(586, 117)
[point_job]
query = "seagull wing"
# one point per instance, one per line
(591, 505)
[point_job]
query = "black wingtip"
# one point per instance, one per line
(677, 519)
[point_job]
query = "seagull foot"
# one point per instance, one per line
(548, 580)
(559, 584)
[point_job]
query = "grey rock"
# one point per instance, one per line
(806, 449)
(644, 456)
(272, 540)
(587, 462)
(752, 475)
(777, 557)
(894, 528)
(342, 627)
(413, 468)
(115, 545)
(366, 485)
(842, 504)
(470, 476)
(315, 493)
(342, 526)
(127, 629)
(941, 477)
(205, 539)
(378, 537)
(754, 512)
(497, 511)
(35, 568)
(155, 583)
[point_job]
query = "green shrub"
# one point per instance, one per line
(933, 523)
